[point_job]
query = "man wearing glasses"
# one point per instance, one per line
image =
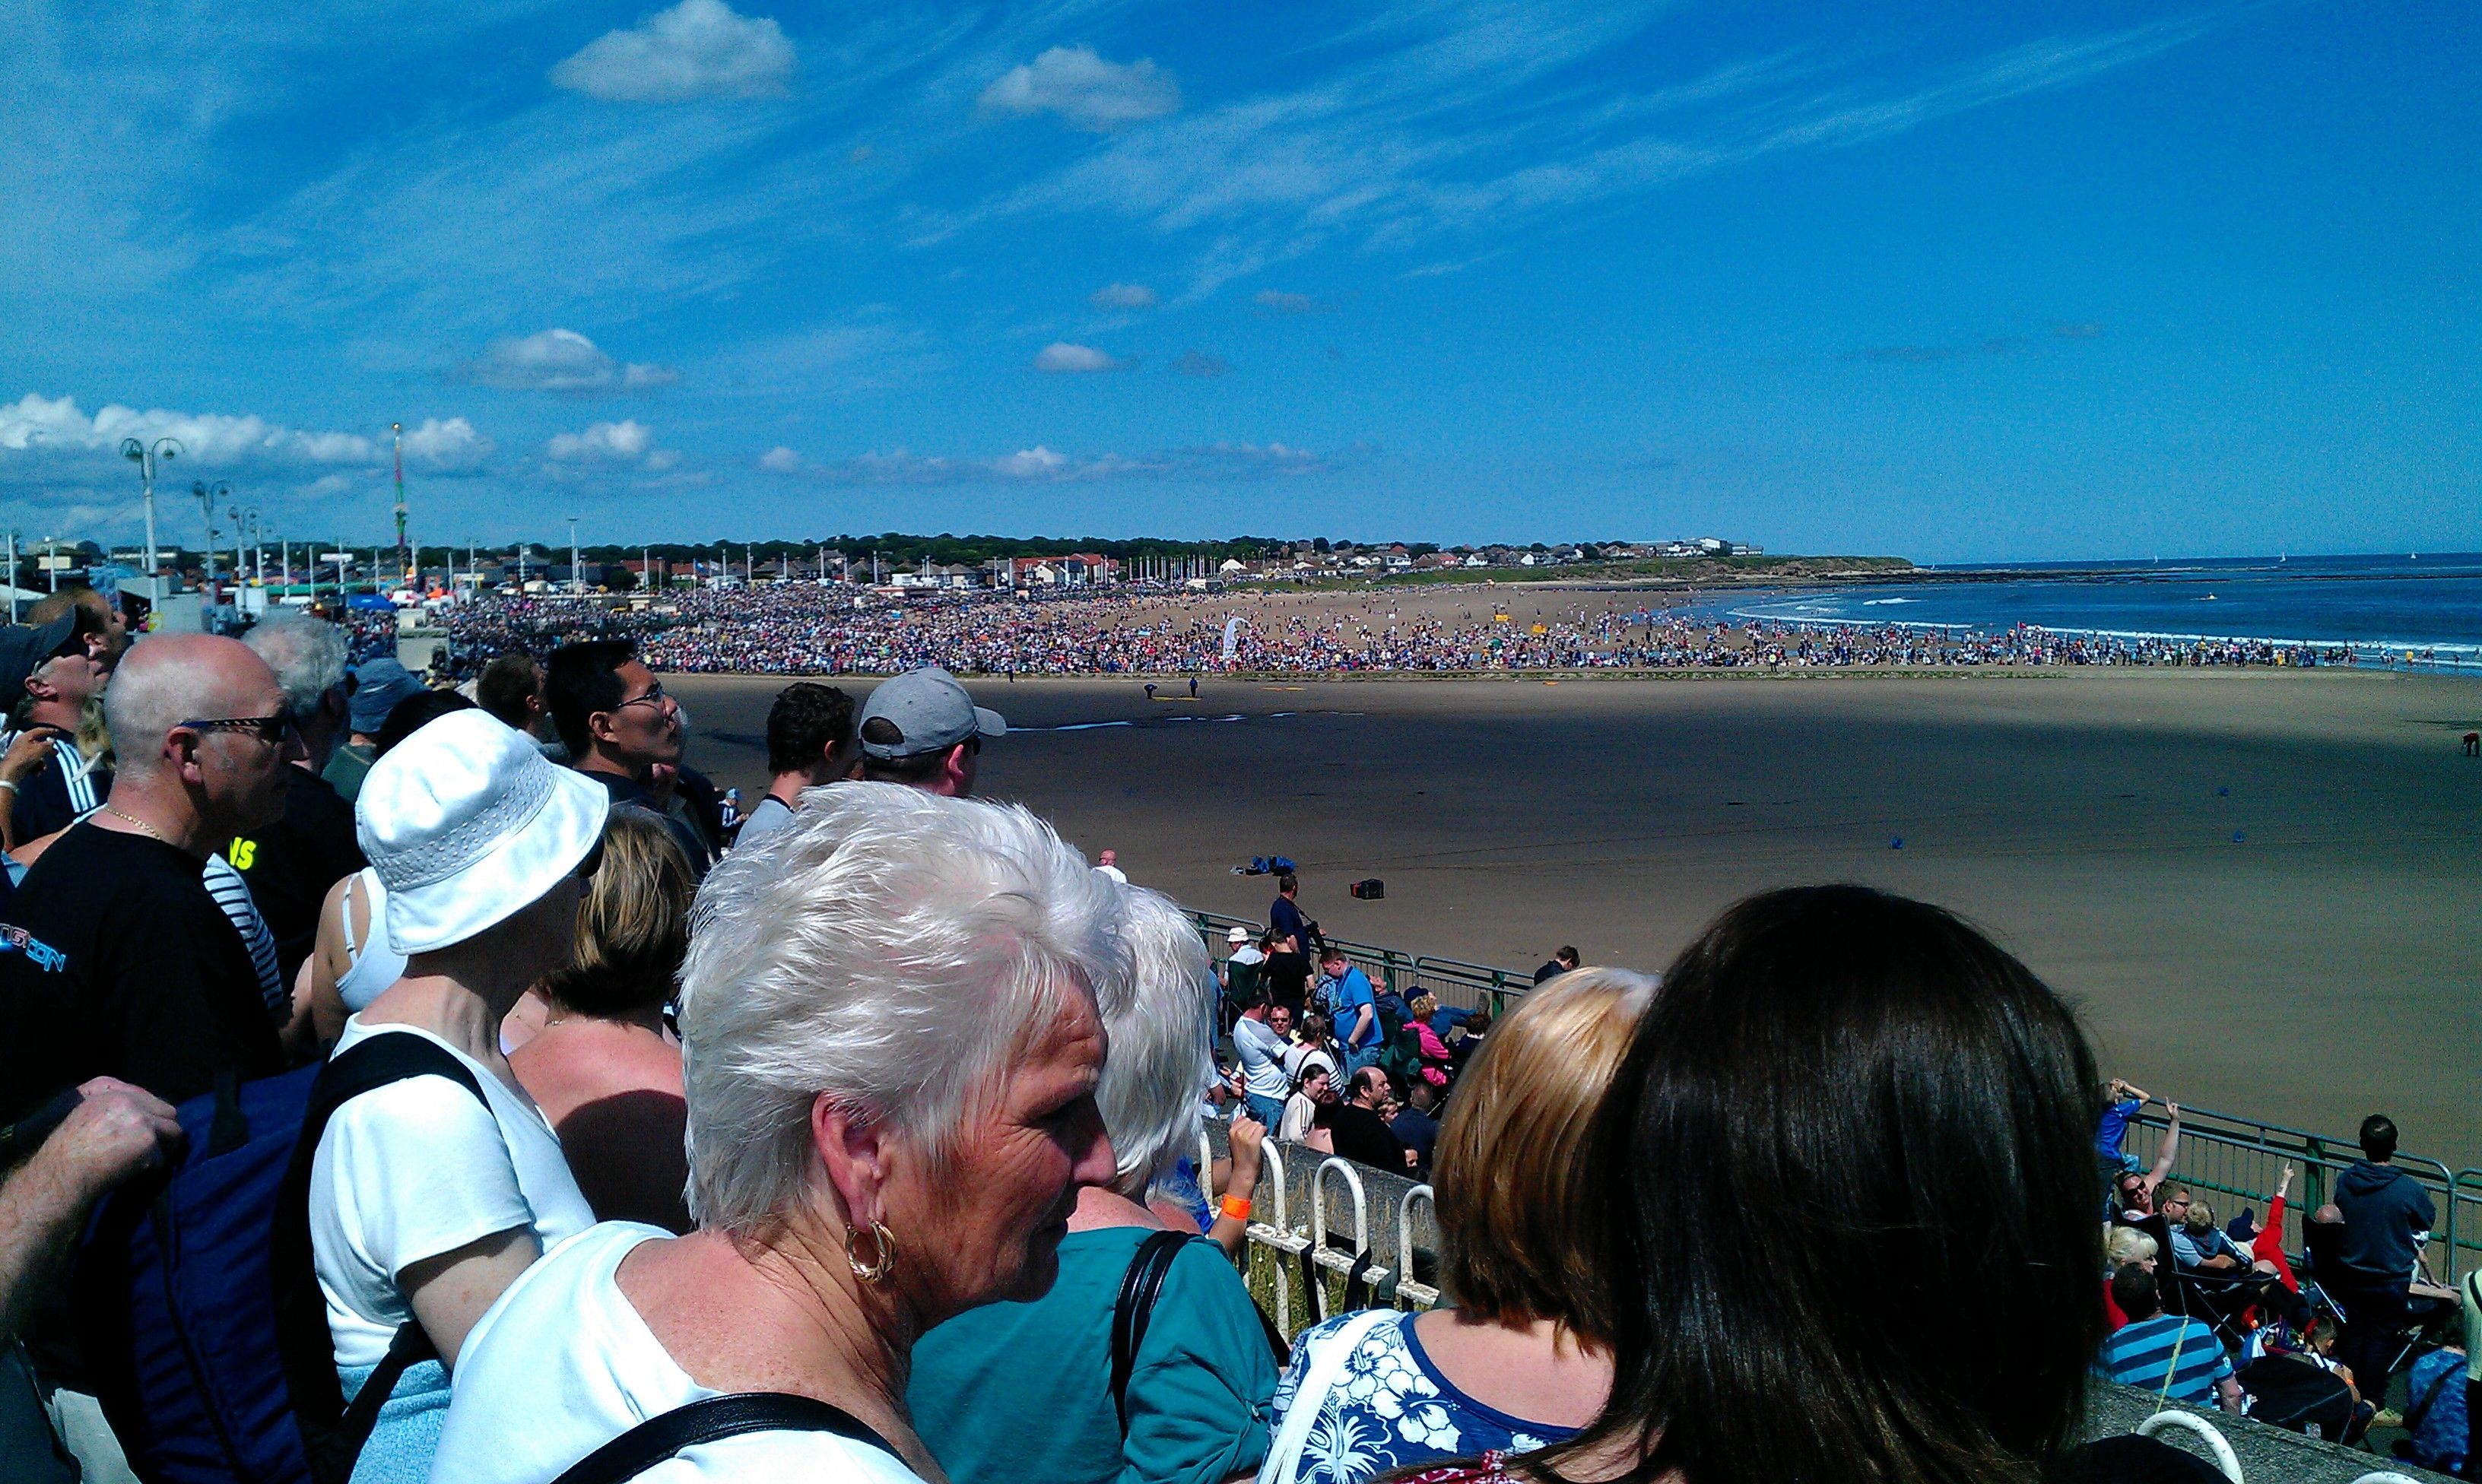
(115, 961)
(623, 732)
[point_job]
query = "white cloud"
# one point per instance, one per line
(450, 447)
(1086, 92)
(697, 49)
(38, 425)
(1123, 295)
(560, 360)
(1062, 356)
(1044, 465)
(1277, 302)
(623, 442)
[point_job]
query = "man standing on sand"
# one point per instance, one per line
(1561, 963)
(811, 741)
(922, 730)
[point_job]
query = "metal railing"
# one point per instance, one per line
(1452, 981)
(2239, 1159)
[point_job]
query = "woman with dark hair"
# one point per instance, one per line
(1851, 1233)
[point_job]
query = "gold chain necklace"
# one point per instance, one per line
(139, 825)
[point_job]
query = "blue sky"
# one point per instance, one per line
(1948, 281)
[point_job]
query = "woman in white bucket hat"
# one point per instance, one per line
(430, 1192)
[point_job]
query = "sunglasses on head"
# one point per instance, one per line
(271, 730)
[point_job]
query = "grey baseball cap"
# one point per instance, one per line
(928, 711)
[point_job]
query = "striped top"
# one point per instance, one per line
(2143, 1353)
(232, 893)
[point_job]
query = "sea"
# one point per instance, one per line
(2379, 607)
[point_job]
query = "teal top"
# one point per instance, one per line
(1013, 1392)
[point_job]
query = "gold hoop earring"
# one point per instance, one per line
(882, 1262)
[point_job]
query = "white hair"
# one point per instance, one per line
(889, 949)
(1161, 1022)
(307, 653)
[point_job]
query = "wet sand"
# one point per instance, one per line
(2325, 963)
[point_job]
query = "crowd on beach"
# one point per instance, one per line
(808, 629)
(523, 1108)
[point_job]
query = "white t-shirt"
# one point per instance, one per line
(416, 1169)
(563, 1363)
(1263, 1058)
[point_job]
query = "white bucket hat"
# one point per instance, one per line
(467, 823)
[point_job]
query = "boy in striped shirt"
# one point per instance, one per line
(2165, 1353)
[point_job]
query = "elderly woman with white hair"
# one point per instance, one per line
(890, 1049)
(1148, 1359)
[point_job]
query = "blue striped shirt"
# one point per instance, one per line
(2141, 1353)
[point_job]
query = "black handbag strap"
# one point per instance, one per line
(658, 1438)
(332, 1433)
(1140, 1287)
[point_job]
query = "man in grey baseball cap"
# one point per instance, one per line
(921, 729)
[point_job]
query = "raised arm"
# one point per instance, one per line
(2171, 1150)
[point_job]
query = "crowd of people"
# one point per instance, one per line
(807, 629)
(519, 1119)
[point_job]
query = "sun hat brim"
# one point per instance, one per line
(511, 876)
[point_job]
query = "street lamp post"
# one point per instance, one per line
(208, 494)
(147, 455)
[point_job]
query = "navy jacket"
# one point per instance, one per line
(2383, 1208)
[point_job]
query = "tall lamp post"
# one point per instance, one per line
(208, 494)
(147, 455)
(576, 576)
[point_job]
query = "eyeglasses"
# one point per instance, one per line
(271, 730)
(654, 697)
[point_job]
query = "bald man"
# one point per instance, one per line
(123, 964)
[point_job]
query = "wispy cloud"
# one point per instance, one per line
(1123, 295)
(1044, 465)
(560, 360)
(1197, 363)
(1062, 357)
(1083, 90)
(1927, 354)
(697, 49)
(1276, 302)
(624, 442)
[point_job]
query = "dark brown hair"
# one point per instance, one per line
(1829, 1080)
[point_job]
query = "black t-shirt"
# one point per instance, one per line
(140, 975)
(1360, 1135)
(291, 864)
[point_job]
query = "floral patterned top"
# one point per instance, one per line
(1391, 1408)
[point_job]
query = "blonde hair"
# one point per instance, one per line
(1424, 1006)
(2200, 1215)
(633, 926)
(1513, 1197)
(2126, 1244)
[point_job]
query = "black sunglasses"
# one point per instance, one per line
(271, 730)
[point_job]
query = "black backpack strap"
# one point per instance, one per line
(658, 1438)
(332, 1433)
(1140, 1287)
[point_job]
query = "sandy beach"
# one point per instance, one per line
(2261, 885)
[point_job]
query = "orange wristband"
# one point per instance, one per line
(1236, 1208)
